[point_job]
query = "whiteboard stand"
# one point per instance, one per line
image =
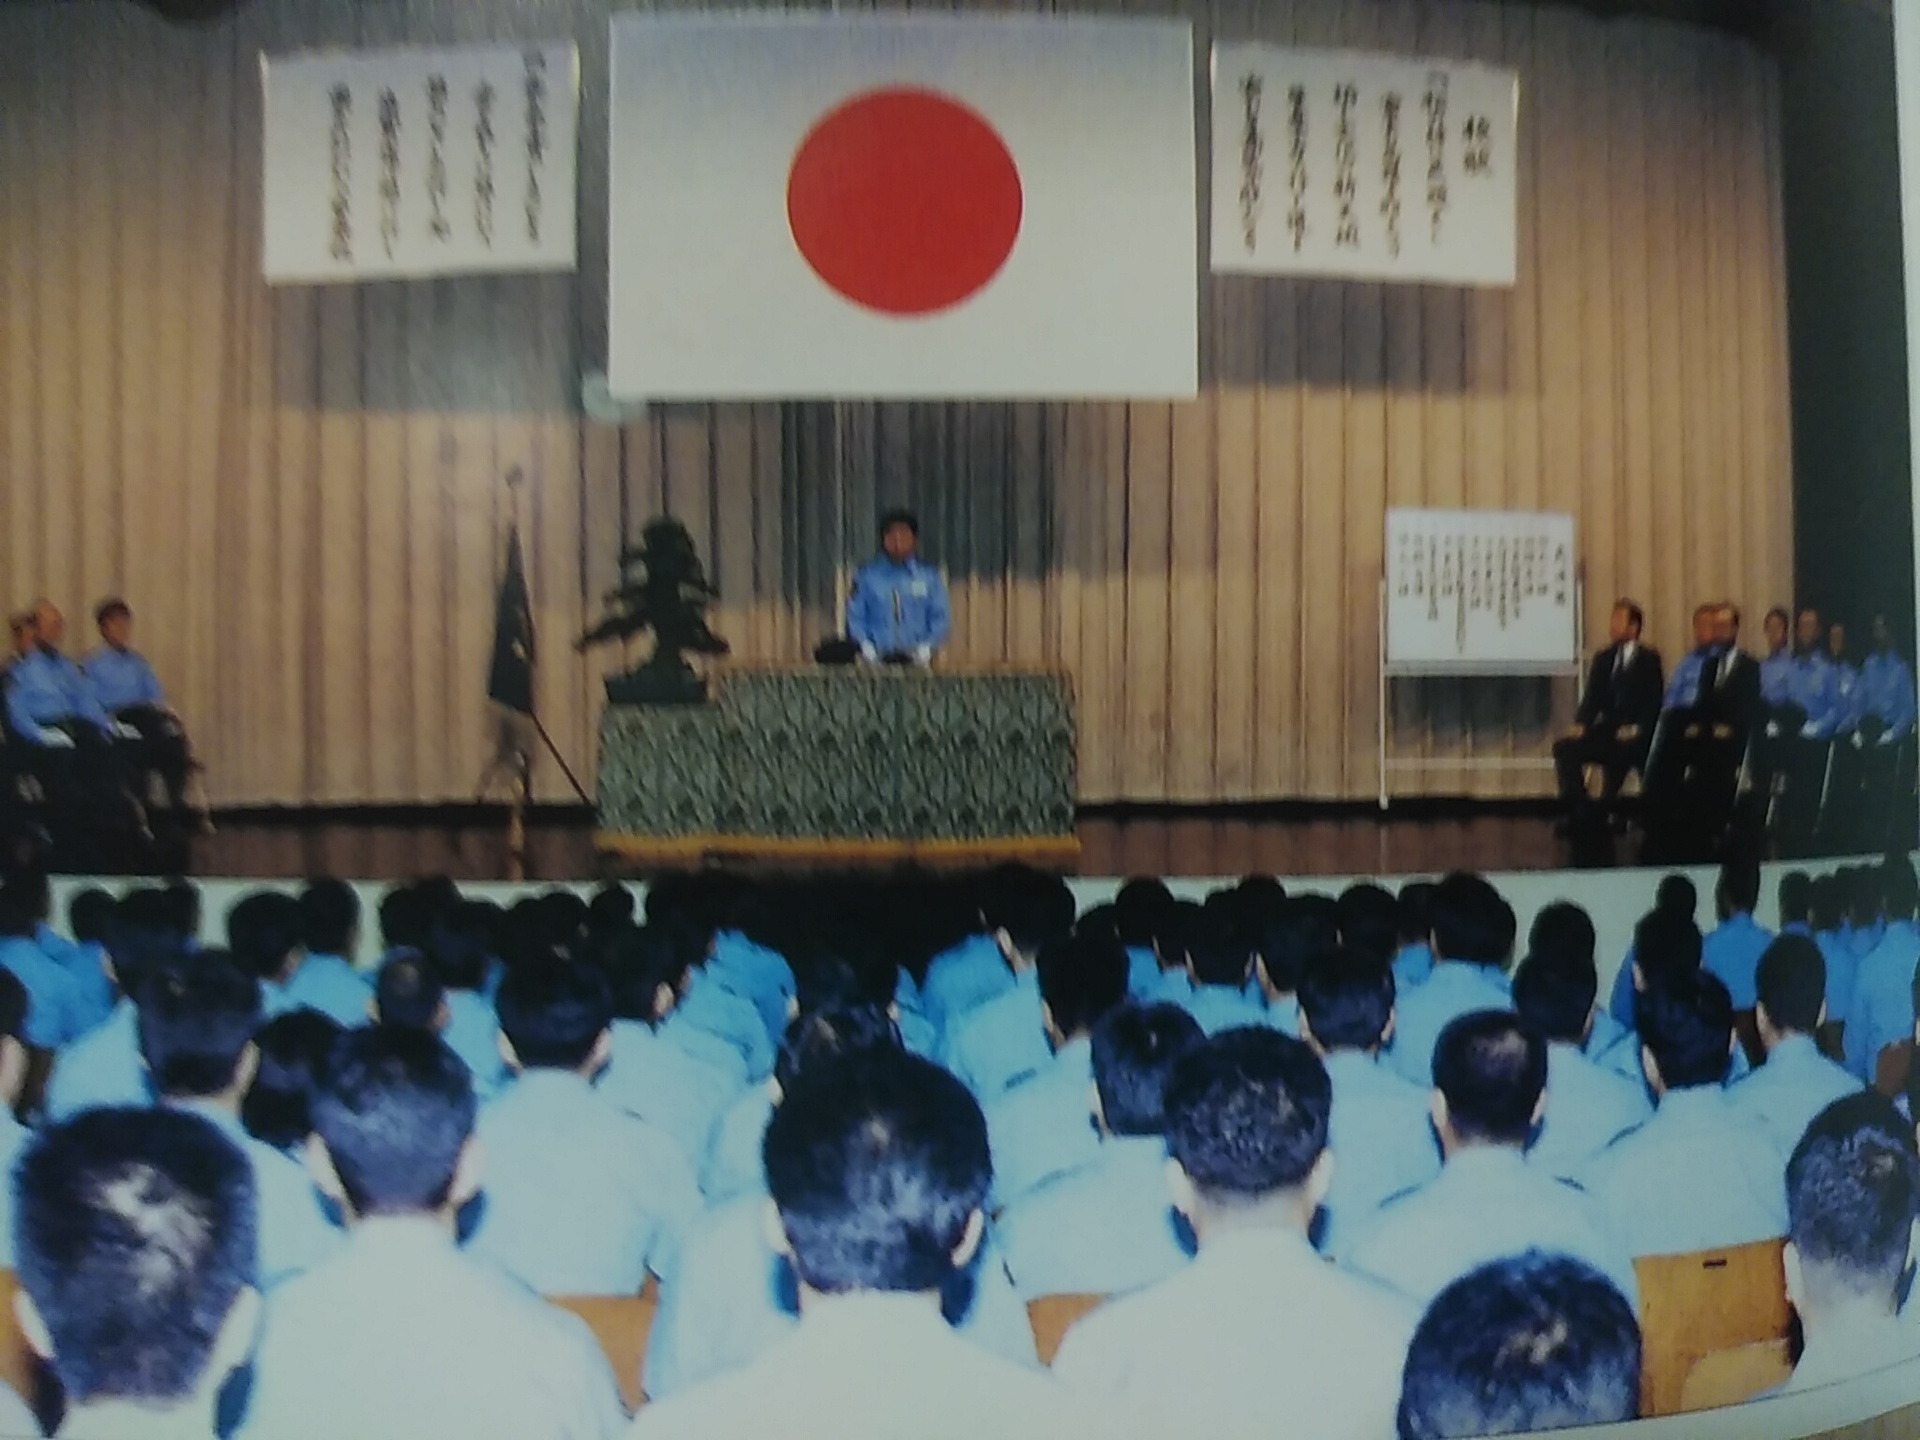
(1456, 670)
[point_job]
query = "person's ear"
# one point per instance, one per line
(247, 1068)
(1639, 978)
(1004, 940)
(507, 1053)
(1539, 1109)
(442, 1017)
(601, 1053)
(326, 1175)
(1650, 1068)
(1261, 974)
(13, 1070)
(234, 1343)
(1438, 1112)
(33, 1328)
(1308, 1038)
(1386, 1035)
(775, 1092)
(664, 998)
(373, 1010)
(1821, 1018)
(1097, 1108)
(1319, 1181)
(969, 1244)
(774, 1232)
(1796, 1280)
(468, 1172)
(1180, 1186)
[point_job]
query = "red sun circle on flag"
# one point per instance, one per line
(904, 201)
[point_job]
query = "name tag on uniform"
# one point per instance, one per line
(918, 589)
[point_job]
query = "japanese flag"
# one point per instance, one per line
(891, 205)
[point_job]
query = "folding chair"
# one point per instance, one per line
(621, 1323)
(1727, 1377)
(19, 1366)
(1051, 1316)
(1701, 1304)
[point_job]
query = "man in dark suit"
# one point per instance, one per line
(1615, 722)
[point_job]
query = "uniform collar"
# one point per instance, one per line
(1478, 1162)
(1694, 1102)
(1795, 1049)
(545, 1081)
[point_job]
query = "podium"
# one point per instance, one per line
(870, 765)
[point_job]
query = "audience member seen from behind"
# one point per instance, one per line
(1473, 934)
(408, 992)
(1853, 1193)
(1258, 1320)
(325, 978)
(1531, 1343)
(13, 1083)
(877, 1165)
(402, 1335)
(1589, 1106)
(136, 1256)
(1882, 1012)
(277, 1109)
(1797, 1082)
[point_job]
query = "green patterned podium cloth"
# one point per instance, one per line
(855, 762)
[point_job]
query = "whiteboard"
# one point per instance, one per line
(1491, 592)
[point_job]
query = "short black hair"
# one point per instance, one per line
(899, 515)
(277, 1108)
(1305, 926)
(111, 608)
(1140, 908)
(13, 1006)
(460, 945)
(407, 992)
(394, 1107)
(1677, 894)
(405, 918)
(876, 1162)
(329, 914)
(1031, 906)
(1866, 887)
(1826, 903)
(612, 906)
(1413, 908)
(1636, 617)
(1792, 983)
(1554, 991)
(1778, 612)
(1796, 897)
(1081, 979)
(1247, 1113)
(90, 914)
(1134, 1051)
(135, 1231)
(1562, 925)
(1739, 883)
(1665, 942)
(1471, 921)
(22, 905)
(1685, 1017)
(196, 1019)
(1900, 892)
(1216, 945)
(1492, 1071)
(1853, 1191)
(1346, 998)
(1532, 1342)
(828, 1032)
(1369, 919)
(642, 961)
(553, 1014)
(181, 900)
(263, 928)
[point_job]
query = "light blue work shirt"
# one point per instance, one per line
(332, 986)
(13, 1139)
(1103, 1229)
(86, 965)
(1886, 692)
(896, 607)
(578, 1197)
(295, 1231)
(1589, 1106)
(709, 1005)
(1001, 1042)
(122, 679)
(735, 1164)
(1455, 988)
(1882, 1008)
(1620, 1001)
(57, 1011)
(1143, 972)
(103, 1067)
(1487, 1203)
(1224, 1007)
(1843, 962)
(1283, 1014)
(667, 1086)
(1381, 1136)
(1731, 952)
(473, 1033)
(1776, 678)
(761, 975)
(1795, 1084)
(1849, 698)
(733, 1297)
(703, 1045)
(1412, 964)
(1693, 1177)
(1044, 1125)
(1814, 687)
(45, 689)
(968, 975)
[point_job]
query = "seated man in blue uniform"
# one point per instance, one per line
(1874, 770)
(898, 609)
(70, 743)
(127, 689)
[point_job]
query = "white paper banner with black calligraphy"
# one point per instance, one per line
(420, 162)
(1492, 590)
(1373, 167)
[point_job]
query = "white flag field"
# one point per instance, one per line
(890, 206)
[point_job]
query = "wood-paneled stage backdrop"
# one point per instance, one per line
(299, 491)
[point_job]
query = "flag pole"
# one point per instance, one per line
(522, 793)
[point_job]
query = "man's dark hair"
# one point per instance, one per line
(1778, 612)
(900, 516)
(553, 1014)
(1471, 922)
(1853, 1190)
(611, 907)
(394, 1107)
(13, 1007)
(1414, 908)
(1739, 884)
(875, 1163)
(1305, 926)
(329, 913)
(21, 909)
(1554, 991)
(89, 914)
(1247, 1113)
(644, 960)
(1685, 1018)
(1492, 1072)
(1666, 942)
(828, 1033)
(1826, 904)
(112, 608)
(1346, 998)
(263, 928)
(1677, 895)
(1081, 979)
(1636, 617)
(1866, 887)
(1792, 983)
(135, 1231)
(460, 945)
(1533, 1342)
(1216, 945)
(405, 918)
(1134, 1051)
(1900, 892)
(1032, 907)
(196, 1020)
(1563, 926)
(1139, 910)
(277, 1108)
(1369, 920)
(407, 992)
(1796, 898)
(181, 900)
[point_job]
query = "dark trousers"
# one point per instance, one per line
(1805, 764)
(85, 786)
(1692, 777)
(161, 749)
(1596, 745)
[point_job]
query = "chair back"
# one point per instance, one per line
(1728, 1377)
(621, 1323)
(1890, 1068)
(1699, 1304)
(1051, 1316)
(18, 1364)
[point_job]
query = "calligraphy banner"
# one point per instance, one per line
(415, 162)
(1493, 590)
(1372, 167)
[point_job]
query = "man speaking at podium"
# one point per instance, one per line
(897, 612)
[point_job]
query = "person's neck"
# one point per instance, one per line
(192, 1419)
(1836, 1317)
(446, 1218)
(814, 1301)
(1283, 1213)
(1453, 1146)
(227, 1101)
(1772, 1039)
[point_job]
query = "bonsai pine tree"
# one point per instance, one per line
(663, 588)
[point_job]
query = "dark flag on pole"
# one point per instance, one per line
(510, 681)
